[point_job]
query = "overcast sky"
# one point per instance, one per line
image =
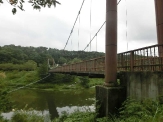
(51, 27)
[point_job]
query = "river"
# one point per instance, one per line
(53, 102)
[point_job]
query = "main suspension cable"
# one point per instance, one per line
(95, 35)
(74, 24)
(29, 84)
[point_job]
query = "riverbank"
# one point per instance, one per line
(67, 85)
(52, 102)
(132, 110)
(15, 79)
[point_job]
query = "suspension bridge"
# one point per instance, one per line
(140, 66)
(143, 59)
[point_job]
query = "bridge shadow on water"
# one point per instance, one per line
(52, 107)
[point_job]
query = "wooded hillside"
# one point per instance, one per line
(20, 55)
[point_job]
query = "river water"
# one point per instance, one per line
(53, 102)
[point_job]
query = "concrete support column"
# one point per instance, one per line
(111, 43)
(110, 97)
(109, 100)
(159, 23)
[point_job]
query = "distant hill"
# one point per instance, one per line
(19, 55)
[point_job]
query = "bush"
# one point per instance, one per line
(2, 119)
(142, 111)
(27, 116)
(43, 69)
(84, 81)
(77, 117)
(60, 78)
(28, 66)
(5, 104)
(2, 75)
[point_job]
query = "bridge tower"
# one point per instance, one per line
(111, 43)
(110, 96)
(159, 23)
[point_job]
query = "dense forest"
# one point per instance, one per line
(12, 57)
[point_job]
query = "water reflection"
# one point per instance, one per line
(60, 111)
(53, 102)
(52, 108)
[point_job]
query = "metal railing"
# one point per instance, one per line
(144, 59)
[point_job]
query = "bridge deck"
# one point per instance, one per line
(144, 59)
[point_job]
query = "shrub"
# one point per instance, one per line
(28, 66)
(2, 75)
(77, 117)
(43, 69)
(27, 116)
(2, 119)
(142, 111)
(5, 104)
(84, 81)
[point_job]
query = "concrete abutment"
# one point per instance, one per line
(134, 85)
(109, 100)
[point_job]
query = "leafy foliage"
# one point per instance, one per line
(20, 55)
(77, 117)
(60, 78)
(43, 69)
(132, 111)
(142, 111)
(14, 11)
(37, 4)
(5, 104)
(27, 116)
(75, 60)
(84, 81)
(28, 66)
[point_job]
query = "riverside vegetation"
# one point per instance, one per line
(20, 66)
(131, 111)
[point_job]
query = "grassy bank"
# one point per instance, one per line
(69, 83)
(15, 79)
(11, 80)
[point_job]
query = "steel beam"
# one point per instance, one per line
(159, 23)
(111, 43)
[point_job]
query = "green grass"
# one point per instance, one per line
(17, 78)
(28, 116)
(96, 81)
(71, 83)
(22, 76)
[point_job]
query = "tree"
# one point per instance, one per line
(37, 4)
(43, 69)
(62, 60)
(75, 60)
